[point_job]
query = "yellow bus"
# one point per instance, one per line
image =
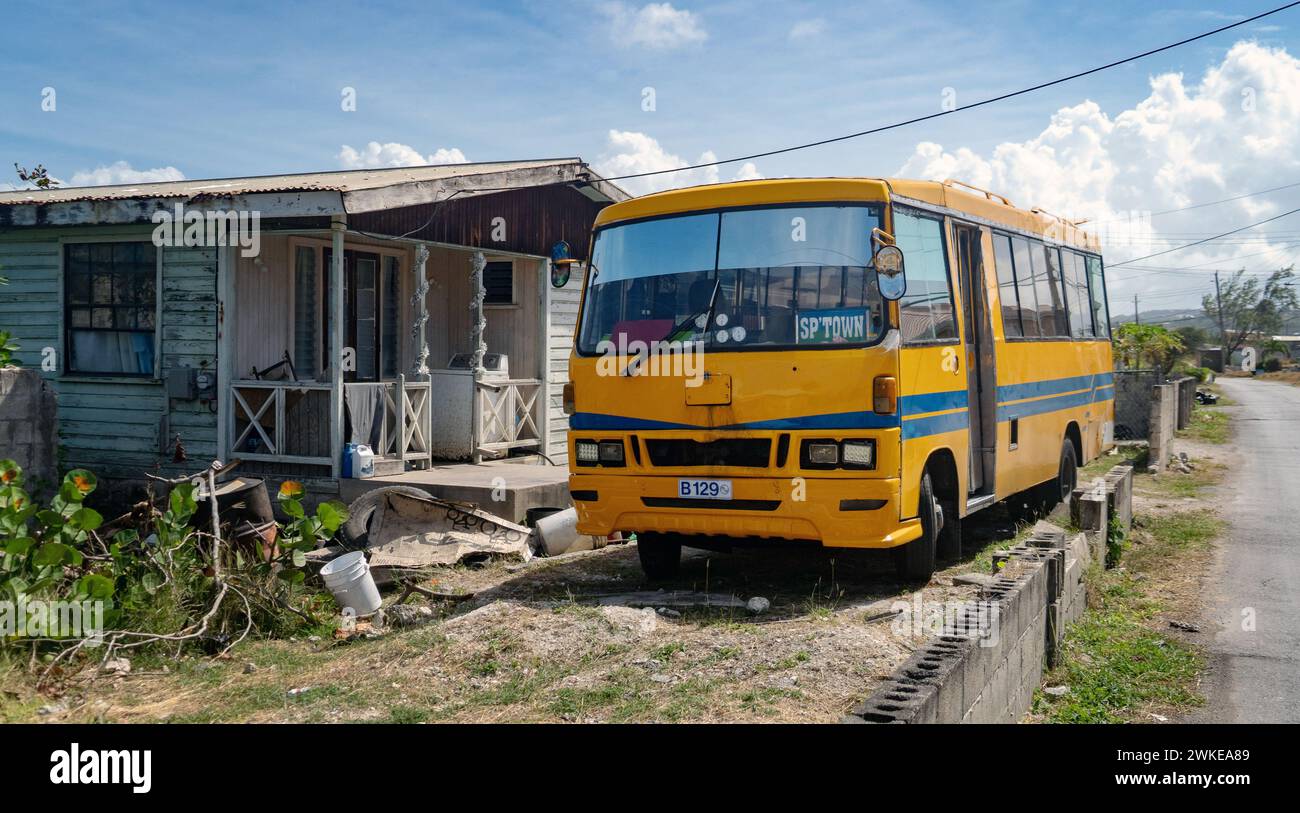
(854, 362)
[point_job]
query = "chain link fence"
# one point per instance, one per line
(1133, 390)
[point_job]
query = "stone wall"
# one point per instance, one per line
(29, 426)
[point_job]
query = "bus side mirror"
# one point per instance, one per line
(890, 278)
(560, 272)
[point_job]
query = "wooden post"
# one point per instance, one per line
(338, 225)
(477, 340)
(400, 403)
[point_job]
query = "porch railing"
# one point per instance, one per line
(407, 421)
(289, 421)
(281, 422)
(508, 416)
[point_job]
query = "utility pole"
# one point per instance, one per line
(1218, 301)
(1137, 316)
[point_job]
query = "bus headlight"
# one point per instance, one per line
(587, 451)
(859, 453)
(611, 451)
(823, 454)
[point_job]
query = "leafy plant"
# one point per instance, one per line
(1154, 344)
(303, 532)
(7, 348)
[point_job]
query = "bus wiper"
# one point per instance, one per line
(708, 317)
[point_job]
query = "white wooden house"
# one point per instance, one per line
(151, 347)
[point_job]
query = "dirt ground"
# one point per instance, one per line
(534, 644)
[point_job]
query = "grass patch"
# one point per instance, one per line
(1116, 661)
(1207, 426)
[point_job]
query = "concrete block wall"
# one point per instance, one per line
(29, 426)
(1186, 399)
(1163, 422)
(963, 677)
(1119, 494)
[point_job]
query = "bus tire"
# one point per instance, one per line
(948, 547)
(915, 561)
(660, 554)
(1058, 490)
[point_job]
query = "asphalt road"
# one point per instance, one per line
(1254, 674)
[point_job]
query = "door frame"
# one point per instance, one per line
(968, 241)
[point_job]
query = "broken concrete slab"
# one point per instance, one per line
(413, 532)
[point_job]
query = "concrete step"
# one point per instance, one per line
(388, 466)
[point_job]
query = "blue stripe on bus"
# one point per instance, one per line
(839, 420)
(933, 402)
(935, 424)
(1029, 408)
(1055, 386)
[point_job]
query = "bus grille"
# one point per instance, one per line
(742, 452)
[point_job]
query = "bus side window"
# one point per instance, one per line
(1077, 286)
(1097, 287)
(1025, 287)
(1051, 297)
(1007, 286)
(926, 309)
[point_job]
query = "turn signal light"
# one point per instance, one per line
(884, 395)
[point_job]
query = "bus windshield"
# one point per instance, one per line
(775, 277)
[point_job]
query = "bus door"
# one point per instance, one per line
(980, 376)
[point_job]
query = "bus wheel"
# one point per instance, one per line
(661, 555)
(915, 560)
(1067, 476)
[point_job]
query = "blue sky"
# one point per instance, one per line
(255, 88)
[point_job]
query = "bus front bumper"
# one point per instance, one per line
(839, 513)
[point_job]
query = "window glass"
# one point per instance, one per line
(1007, 286)
(783, 277)
(1097, 287)
(110, 301)
(1076, 277)
(1051, 299)
(499, 283)
(388, 322)
(926, 309)
(304, 312)
(1025, 286)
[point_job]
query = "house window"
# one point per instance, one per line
(304, 295)
(499, 282)
(391, 313)
(110, 301)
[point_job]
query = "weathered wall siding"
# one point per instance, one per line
(114, 426)
(512, 331)
(262, 312)
(564, 321)
(535, 219)
(29, 304)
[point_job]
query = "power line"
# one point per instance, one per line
(1206, 240)
(961, 108)
(1192, 206)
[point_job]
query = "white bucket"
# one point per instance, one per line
(559, 533)
(348, 578)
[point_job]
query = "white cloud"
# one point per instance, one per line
(807, 29)
(657, 26)
(393, 154)
(1235, 131)
(631, 153)
(120, 172)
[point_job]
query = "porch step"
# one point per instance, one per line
(387, 466)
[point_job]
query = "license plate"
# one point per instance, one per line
(704, 489)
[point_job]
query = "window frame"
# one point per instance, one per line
(943, 221)
(881, 209)
(514, 286)
(66, 373)
(1062, 248)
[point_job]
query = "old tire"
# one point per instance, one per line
(1058, 490)
(915, 561)
(661, 555)
(355, 533)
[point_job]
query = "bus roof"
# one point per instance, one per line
(960, 198)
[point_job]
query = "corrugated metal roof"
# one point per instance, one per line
(342, 181)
